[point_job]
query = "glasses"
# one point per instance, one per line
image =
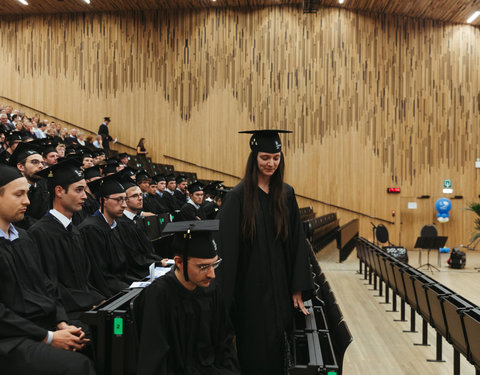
(204, 268)
(134, 196)
(118, 200)
(37, 162)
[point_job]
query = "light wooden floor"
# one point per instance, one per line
(380, 346)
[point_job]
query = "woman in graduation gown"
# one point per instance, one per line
(266, 265)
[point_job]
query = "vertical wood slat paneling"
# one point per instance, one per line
(374, 101)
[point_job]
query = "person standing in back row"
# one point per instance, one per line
(266, 266)
(103, 131)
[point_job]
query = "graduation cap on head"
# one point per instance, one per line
(97, 153)
(23, 151)
(211, 187)
(110, 166)
(128, 171)
(127, 182)
(47, 144)
(103, 187)
(122, 155)
(180, 178)
(193, 239)
(106, 119)
(221, 192)
(8, 174)
(194, 187)
(13, 136)
(170, 177)
(265, 140)
(64, 173)
(159, 177)
(86, 153)
(142, 176)
(92, 172)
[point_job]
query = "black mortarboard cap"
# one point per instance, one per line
(128, 171)
(180, 178)
(159, 177)
(47, 144)
(211, 187)
(142, 176)
(110, 166)
(64, 173)
(106, 186)
(170, 177)
(194, 187)
(127, 182)
(122, 155)
(98, 152)
(8, 174)
(193, 239)
(23, 151)
(13, 136)
(106, 118)
(265, 140)
(92, 172)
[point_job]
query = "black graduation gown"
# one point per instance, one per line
(89, 207)
(184, 332)
(140, 253)
(210, 208)
(189, 212)
(5, 157)
(171, 202)
(66, 263)
(29, 302)
(39, 204)
(259, 279)
(154, 204)
(106, 255)
(180, 197)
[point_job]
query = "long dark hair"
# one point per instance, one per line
(141, 142)
(250, 199)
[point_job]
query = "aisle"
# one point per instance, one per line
(380, 346)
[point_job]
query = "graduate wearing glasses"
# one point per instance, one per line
(102, 238)
(184, 327)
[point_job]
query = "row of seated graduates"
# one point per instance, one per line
(103, 249)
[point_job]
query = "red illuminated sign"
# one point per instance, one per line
(393, 190)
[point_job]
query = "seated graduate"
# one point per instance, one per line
(12, 139)
(161, 184)
(91, 204)
(110, 167)
(102, 238)
(64, 257)
(180, 192)
(209, 206)
(28, 160)
(35, 337)
(192, 210)
(154, 200)
(139, 250)
(184, 326)
(168, 197)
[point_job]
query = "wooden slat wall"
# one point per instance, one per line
(374, 101)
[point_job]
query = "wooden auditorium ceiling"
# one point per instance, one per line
(453, 11)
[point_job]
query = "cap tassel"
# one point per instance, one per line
(187, 236)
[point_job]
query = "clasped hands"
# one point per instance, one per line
(68, 337)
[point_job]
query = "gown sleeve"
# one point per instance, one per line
(301, 274)
(229, 244)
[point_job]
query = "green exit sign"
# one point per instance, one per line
(332, 373)
(118, 326)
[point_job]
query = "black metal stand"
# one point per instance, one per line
(429, 243)
(424, 334)
(428, 266)
(412, 321)
(439, 350)
(456, 362)
(394, 302)
(402, 312)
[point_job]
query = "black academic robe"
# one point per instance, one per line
(190, 212)
(154, 203)
(259, 279)
(184, 332)
(5, 157)
(39, 204)
(171, 202)
(89, 207)
(106, 255)
(29, 302)
(140, 252)
(180, 197)
(210, 208)
(65, 261)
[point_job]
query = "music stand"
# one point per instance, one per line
(429, 243)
